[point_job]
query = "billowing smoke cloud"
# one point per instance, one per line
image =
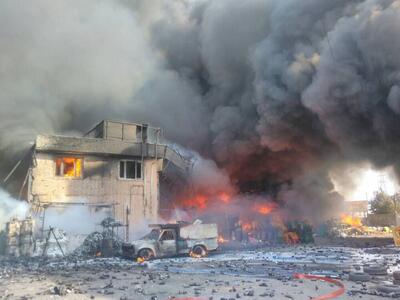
(277, 93)
(207, 177)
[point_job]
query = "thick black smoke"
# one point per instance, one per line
(278, 93)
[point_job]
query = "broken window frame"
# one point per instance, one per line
(61, 174)
(166, 232)
(138, 171)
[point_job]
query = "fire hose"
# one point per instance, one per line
(332, 295)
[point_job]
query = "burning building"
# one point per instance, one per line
(115, 165)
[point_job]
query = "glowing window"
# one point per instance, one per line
(130, 169)
(69, 167)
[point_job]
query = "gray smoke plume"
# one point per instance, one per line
(276, 92)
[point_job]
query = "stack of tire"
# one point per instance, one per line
(396, 277)
(12, 237)
(392, 289)
(376, 270)
(385, 288)
(26, 237)
(359, 276)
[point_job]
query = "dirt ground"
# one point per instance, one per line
(260, 274)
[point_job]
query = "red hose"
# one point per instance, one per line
(332, 295)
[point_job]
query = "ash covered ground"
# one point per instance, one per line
(265, 273)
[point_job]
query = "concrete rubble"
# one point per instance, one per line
(19, 237)
(257, 274)
(94, 244)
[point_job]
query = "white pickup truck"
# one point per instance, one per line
(166, 240)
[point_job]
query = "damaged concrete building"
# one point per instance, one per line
(116, 165)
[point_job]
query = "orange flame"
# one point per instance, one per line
(201, 201)
(350, 220)
(247, 227)
(221, 240)
(291, 238)
(194, 255)
(69, 167)
(266, 209)
(198, 201)
(224, 197)
(140, 260)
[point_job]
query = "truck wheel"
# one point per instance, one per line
(198, 251)
(146, 254)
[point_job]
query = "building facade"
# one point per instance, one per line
(357, 209)
(115, 165)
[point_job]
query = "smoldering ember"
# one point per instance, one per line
(199, 149)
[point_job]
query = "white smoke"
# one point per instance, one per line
(74, 219)
(10, 207)
(207, 177)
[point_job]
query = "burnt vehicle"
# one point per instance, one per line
(167, 240)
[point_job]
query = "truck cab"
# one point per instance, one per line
(168, 242)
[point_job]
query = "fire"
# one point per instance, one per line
(194, 255)
(69, 167)
(199, 202)
(266, 209)
(247, 227)
(221, 240)
(78, 167)
(224, 197)
(350, 220)
(291, 238)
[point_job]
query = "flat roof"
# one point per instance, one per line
(106, 147)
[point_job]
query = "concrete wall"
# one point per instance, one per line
(381, 220)
(116, 131)
(100, 183)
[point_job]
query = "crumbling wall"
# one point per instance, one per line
(381, 220)
(134, 200)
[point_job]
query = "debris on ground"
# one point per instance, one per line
(249, 274)
(93, 244)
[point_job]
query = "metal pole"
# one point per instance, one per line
(23, 184)
(127, 225)
(17, 164)
(43, 221)
(12, 171)
(59, 246)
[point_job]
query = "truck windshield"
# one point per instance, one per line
(152, 235)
